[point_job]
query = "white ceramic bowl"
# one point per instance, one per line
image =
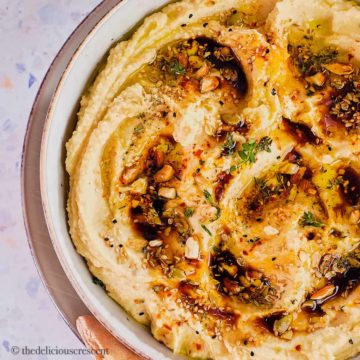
(59, 125)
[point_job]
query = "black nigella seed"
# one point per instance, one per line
(252, 353)
(273, 91)
(114, 221)
(190, 16)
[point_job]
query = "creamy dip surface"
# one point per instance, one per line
(215, 178)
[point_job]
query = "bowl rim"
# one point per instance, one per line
(43, 182)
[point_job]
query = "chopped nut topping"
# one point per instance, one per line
(209, 83)
(168, 193)
(155, 243)
(269, 230)
(323, 293)
(192, 248)
(164, 174)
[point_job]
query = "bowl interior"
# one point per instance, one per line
(54, 181)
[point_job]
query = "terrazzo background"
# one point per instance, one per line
(31, 33)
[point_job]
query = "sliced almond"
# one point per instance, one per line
(339, 68)
(192, 248)
(209, 83)
(323, 293)
(165, 174)
(167, 193)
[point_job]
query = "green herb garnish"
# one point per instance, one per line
(206, 229)
(265, 190)
(309, 219)
(176, 68)
(211, 201)
(251, 148)
(189, 212)
(264, 144)
(229, 145)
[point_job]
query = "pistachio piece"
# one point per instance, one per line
(192, 248)
(196, 62)
(282, 325)
(323, 293)
(288, 335)
(155, 243)
(244, 281)
(209, 83)
(231, 269)
(231, 119)
(339, 68)
(318, 79)
(166, 173)
(194, 49)
(236, 18)
(167, 193)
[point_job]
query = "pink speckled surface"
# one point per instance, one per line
(31, 33)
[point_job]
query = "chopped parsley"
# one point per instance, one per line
(176, 68)
(309, 219)
(264, 144)
(265, 190)
(229, 145)
(189, 212)
(251, 148)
